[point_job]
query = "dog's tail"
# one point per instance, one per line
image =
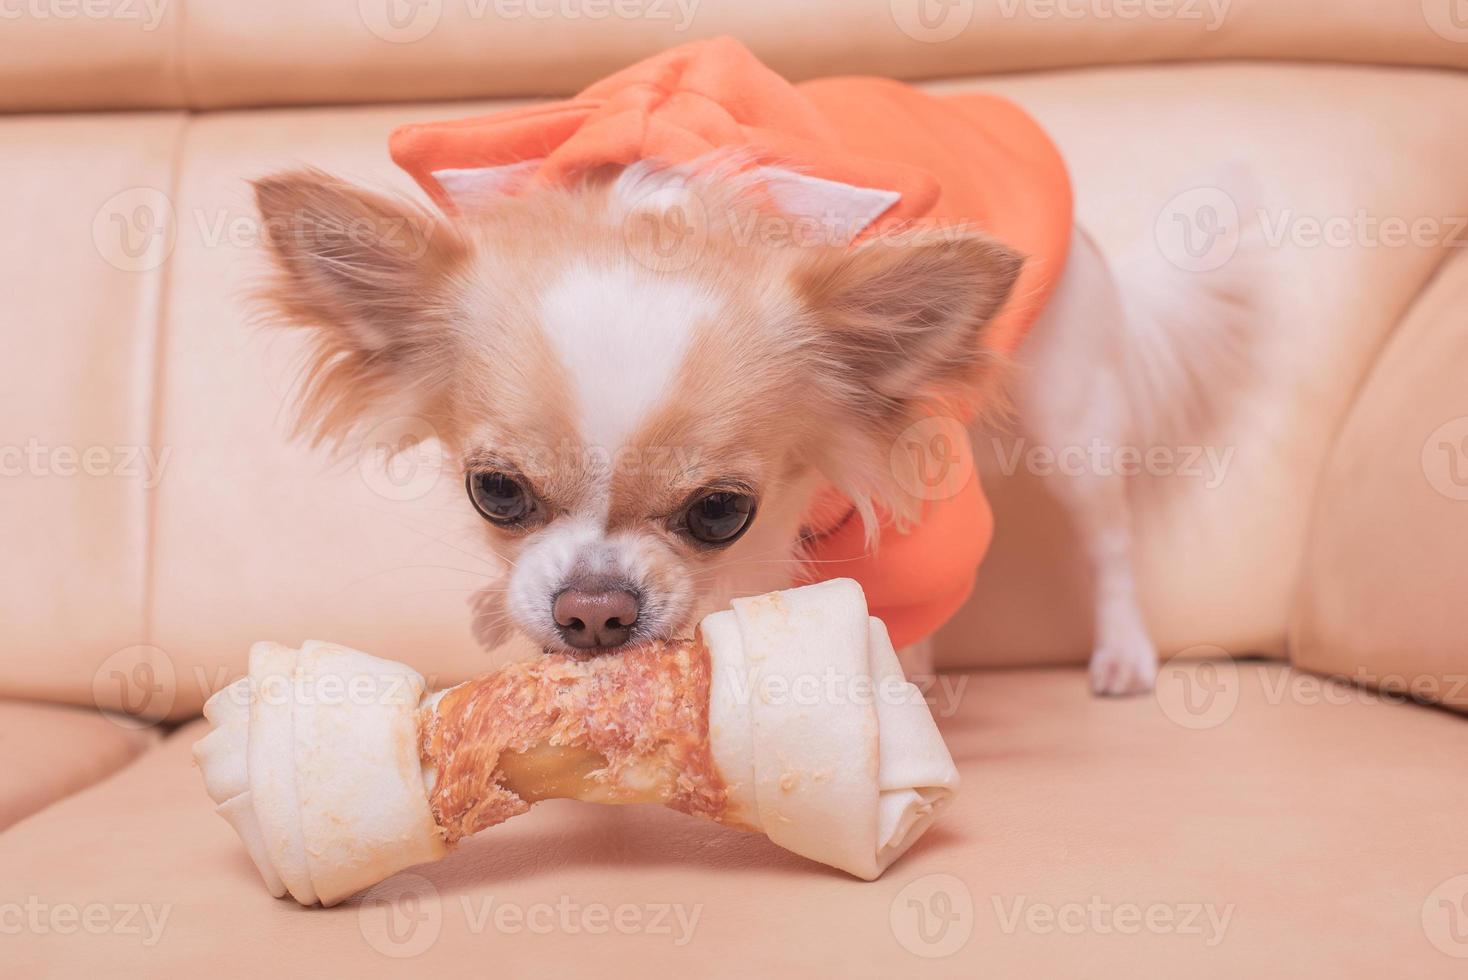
(1190, 296)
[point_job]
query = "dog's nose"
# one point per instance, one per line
(590, 618)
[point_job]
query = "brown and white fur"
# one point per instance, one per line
(555, 337)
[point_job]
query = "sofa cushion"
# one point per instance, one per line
(247, 535)
(48, 751)
(1241, 823)
(81, 274)
(218, 53)
(1343, 160)
(1382, 596)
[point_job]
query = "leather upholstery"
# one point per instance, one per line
(1382, 600)
(1067, 802)
(76, 377)
(49, 751)
(1219, 561)
(1330, 820)
(210, 54)
(250, 535)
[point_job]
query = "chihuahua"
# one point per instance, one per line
(643, 435)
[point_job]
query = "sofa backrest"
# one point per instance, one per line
(157, 518)
(212, 54)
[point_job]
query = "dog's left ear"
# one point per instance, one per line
(367, 274)
(897, 325)
(905, 318)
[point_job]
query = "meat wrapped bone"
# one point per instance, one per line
(786, 715)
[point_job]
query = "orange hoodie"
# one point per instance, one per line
(965, 158)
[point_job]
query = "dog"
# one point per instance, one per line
(645, 433)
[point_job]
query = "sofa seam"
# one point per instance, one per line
(182, 80)
(1445, 261)
(157, 373)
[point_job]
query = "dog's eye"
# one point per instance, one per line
(719, 517)
(500, 497)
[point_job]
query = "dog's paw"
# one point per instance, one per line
(1120, 670)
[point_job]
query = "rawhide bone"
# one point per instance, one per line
(786, 715)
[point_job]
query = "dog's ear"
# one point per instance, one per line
(367, 273)
(905, 318)
(900, 325)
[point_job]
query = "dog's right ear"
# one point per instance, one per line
(368, 273)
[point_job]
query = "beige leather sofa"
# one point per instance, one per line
(1250, 819)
